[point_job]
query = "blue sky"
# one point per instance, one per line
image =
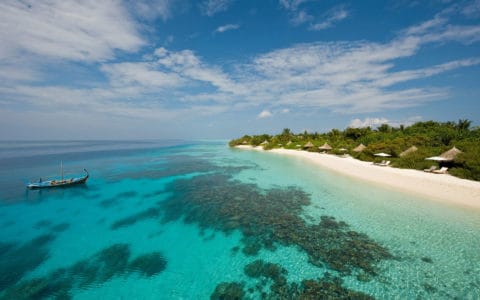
(224, 68)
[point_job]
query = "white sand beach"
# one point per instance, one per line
(439, 187)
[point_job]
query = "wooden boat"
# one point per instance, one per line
(63, 182)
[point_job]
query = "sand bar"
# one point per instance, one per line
(439, 187)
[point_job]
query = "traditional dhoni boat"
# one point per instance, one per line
(63, 182)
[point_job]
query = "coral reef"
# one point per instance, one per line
(97, 269)
(270, 217)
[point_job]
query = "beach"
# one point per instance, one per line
(438, 187)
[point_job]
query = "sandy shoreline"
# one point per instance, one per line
(439, 187)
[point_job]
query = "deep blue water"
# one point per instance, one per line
(194, 220)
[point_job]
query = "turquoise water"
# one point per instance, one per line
(194, 220)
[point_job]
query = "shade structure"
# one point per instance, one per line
(360, 148)
(408, 151)
(325, 147)
(308, 145)
(382, 154)
(436, 158)
(265, 142)
(450, 154)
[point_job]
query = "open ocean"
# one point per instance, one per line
(195, 220)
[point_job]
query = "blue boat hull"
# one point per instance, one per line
(58, 183)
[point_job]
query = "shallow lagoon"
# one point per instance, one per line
(179, 219)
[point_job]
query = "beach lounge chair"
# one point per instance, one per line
(443, 170)
(379, 163)
(431, 169)
(386, 163)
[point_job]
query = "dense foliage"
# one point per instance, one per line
(430, 138)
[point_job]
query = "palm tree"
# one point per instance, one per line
(463, 125)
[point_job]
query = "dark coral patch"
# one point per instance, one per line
(97, 269)
(148, 264)
(42, 224)
(150, 213)
(108, 202)
(269, 217)
(272, 284)
(228, 291)
(427, 260)
(127, 195)
(60, 227)
(16, 260)
(259, 268)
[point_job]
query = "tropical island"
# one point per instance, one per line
(416, 159)
(405, 146)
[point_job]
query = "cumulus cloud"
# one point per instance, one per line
(368, 122)
(212, 7)
(346, 77)
(264, 114)
(375, 122)
(73, 30)
(227, 27)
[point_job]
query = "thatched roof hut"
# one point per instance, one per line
(450, 154)
(265, 142)
(408, 151)
(308, 145)
(360, 148)
(289, 143)
(325, 147)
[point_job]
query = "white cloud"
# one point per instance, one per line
(212, 7)
(472, 10)
(292, 4)
(227, 27)
(331, 17)
(368, 122)
(152, 9)
(375, 122)
(188, 65)
(73, 30)
(301, 17)
(264, 114)
(345, 77)
(143, 74)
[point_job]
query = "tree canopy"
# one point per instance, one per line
(431, 138)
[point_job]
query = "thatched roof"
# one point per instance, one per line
(265, 142)
(325, 147)
(408, 151)
(360, 148)
(289, 143)
(244, 142)
(308, 145)
(450, 154)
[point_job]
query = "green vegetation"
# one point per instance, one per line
(430, 138)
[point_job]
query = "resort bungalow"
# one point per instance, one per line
(308, 146)
(360, 148)
(325, 147)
